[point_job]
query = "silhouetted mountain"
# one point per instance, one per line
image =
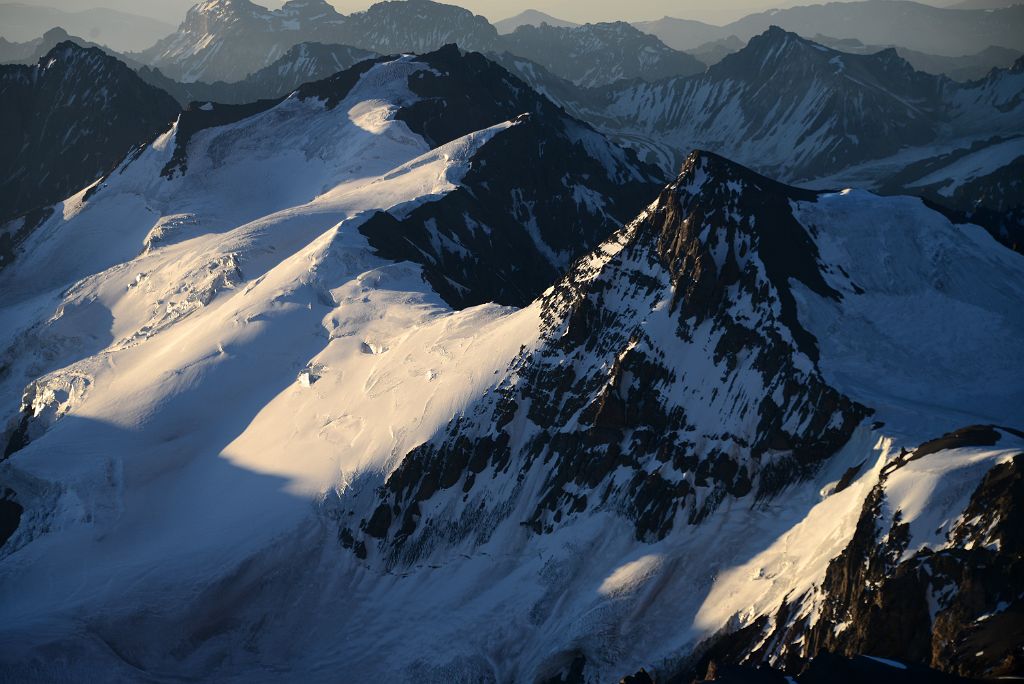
(67, 121)
(530, 18)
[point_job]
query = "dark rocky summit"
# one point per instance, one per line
(67, 121)
(650, 393)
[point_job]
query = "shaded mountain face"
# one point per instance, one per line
(682, 34)
(304, 63)
(794, 109)
(913, 25)
(673, 374)
(715, 51)
(67, 121)
(599, 54)
(506, 237)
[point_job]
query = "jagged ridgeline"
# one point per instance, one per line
(673, 373)
(370, 366)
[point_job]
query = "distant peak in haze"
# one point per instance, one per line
(531, 17)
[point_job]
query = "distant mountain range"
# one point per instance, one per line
(120, 30)
(599, 54)
(792, 107)
(915, 26)
(964, 68)
(227, 40)
(302, 63)
(531, 18)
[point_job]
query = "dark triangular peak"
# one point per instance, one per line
(778, 52)
(68, 120)
(671, 376)
(772, 49)
(707, 226)
(464, 92)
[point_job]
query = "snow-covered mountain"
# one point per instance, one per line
(304, 63)
(599, 54)
(408, 375)
(784, 104)
(230, 39)
(67, 121)
(261, 422)
(795, 109)
(226, 40)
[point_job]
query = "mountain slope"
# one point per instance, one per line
(651, 394)
(230, 39)
(69, 120)
(224, 377)
(599, 54)
(796, 109)
(578, 446)
(791, 107)
(209, 171)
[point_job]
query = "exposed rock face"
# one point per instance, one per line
(954, 606)
(67, 121)
(506, 237)
(672, 374)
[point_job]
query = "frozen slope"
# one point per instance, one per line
(210, 348)
(226, 381)
(226, 350)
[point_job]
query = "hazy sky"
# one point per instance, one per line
(716, 12)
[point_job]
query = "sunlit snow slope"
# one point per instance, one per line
(262, 434)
